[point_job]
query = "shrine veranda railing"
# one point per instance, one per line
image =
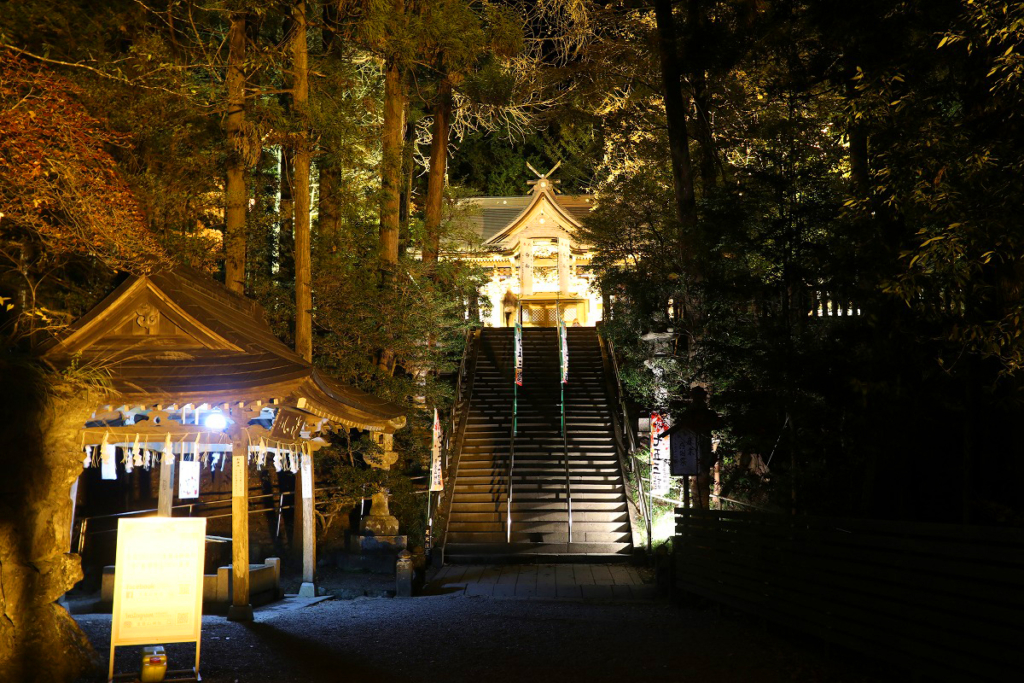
(944, 601)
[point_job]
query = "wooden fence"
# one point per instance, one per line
(942, 601)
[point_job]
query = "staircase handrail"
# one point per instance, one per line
(561, 385)
(634, 463)
(511, 463)
(453, 446)
(457, 403)
(565, 459)
(512, 435)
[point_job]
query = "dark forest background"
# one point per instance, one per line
(821, 198)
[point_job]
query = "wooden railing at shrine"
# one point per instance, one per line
(453, 439)
(942, 601)
(625, 436)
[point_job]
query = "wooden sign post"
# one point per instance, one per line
(158, 586)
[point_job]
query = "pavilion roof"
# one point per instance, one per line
(180, 337)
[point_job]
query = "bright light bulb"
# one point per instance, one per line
(215, 421)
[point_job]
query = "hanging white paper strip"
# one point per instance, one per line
(108, 460)
(168, 458)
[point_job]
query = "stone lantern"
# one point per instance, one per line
(378, 531)
(660, 345)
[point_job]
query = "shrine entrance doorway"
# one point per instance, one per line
(544, 312)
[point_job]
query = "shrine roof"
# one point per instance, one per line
(181, 337)
(493, 214)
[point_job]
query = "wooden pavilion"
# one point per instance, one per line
(196, 370)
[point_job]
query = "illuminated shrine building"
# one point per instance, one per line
(531, 249)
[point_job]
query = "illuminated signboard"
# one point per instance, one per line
(288, 424)
(158, 581)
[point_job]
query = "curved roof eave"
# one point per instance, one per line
(518, 220)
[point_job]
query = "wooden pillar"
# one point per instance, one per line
(305, 490)
(241, 608)
(526, 267)
(564, 266)
(165, 496)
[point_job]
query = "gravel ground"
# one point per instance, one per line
(451, 639)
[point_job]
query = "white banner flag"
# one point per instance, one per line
(563, 343)
(436, 476)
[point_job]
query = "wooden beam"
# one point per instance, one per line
(241, 608)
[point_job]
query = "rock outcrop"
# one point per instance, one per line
(40, 414)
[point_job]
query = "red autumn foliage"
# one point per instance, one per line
(58, 183)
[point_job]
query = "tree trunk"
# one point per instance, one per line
(234, 186)
(391, 167)
(329, 207)
(286, 227)
(709, 162)
(678, 140)
(303, 256)
(408, 169)
(437, 174)
(692, 57)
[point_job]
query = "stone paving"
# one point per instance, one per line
(581, 582)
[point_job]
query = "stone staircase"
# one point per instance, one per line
(477, 521)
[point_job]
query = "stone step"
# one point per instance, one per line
(501, 495)
(490, 552)
(606, 506)
(539, 495)
(484, 468)
(499, 475)
(537, 537)
(528, 525)
(606, 517)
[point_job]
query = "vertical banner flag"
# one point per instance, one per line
(660, 455)
(436, 478)
(519, 354)
(563, 345)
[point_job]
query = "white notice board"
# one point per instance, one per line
(158, 581)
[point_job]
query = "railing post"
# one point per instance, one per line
(516, 345)
(563, 340)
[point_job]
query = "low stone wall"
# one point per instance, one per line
(264, 584)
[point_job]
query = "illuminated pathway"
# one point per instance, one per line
(458, 638)
(543, 581)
